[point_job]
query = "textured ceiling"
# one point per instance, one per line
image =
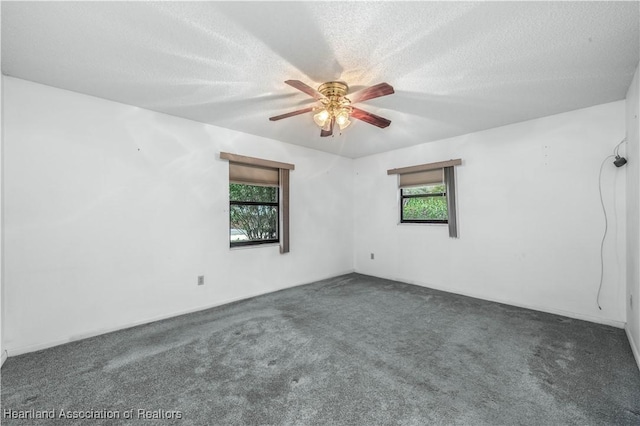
(457, 67)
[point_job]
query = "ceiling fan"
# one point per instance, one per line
(334, 106)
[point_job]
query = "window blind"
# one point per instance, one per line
(427, 177)
(253, 175)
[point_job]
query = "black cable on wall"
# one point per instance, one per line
(618, 162)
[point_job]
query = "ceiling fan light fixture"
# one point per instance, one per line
(327, 125)
(344, 125)
(343, 119)
(321, 117)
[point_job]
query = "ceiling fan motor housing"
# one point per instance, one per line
(334, 89)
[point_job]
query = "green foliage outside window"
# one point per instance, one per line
(241, 192)
(253, 212)
(431, 207)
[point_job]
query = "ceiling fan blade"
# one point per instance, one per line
(297, 84)
(291, 114)
(328, 130)
(370, 118)
(380, 89)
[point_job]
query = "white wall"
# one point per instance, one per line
(530, 220)
(112, 211)
(633, 217)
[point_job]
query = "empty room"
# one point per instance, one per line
(320, 213)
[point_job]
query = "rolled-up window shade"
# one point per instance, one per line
(427, 177)
(253, 175)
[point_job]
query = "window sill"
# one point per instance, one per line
(423, 224)
(252, 246)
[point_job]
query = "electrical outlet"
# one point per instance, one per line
(200, 279)
(372, 256)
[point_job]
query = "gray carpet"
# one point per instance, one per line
(351, 350)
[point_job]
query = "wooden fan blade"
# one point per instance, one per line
(324, 133)
(297, 84)
(370, 118)
(381, 89)
(291, 114)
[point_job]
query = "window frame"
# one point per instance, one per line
(427, 195)
(276, 204)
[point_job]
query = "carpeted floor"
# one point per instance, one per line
(351, 350)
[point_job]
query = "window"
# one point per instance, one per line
(424, 204)
(253, 214)
(427, 194)
(258, 201)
